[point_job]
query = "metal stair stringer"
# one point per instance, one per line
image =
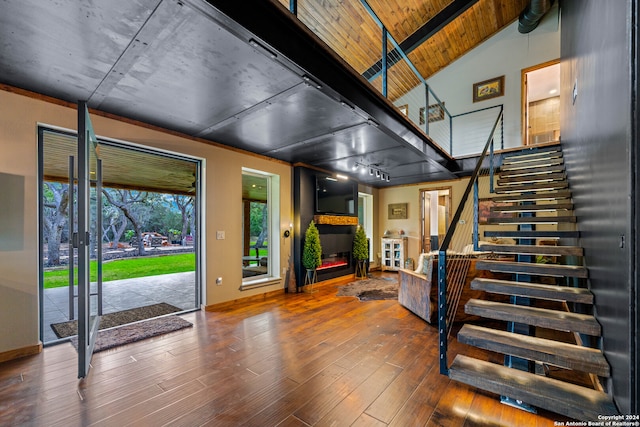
(542, 278)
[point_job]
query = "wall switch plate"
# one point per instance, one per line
(220, 235)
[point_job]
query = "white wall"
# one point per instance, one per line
(19, 118)
(506, 53)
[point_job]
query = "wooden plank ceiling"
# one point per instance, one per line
(351, 32)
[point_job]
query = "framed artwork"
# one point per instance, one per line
(398, 210)
(436, 113)
(488, 89)
(484, 210)
(404, 109)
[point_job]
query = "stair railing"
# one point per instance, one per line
(455, 252)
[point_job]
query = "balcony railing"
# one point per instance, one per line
(395, 76)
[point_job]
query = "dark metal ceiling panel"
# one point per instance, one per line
(65, 48)
(186, 72)
(277, 128)
(341, 148)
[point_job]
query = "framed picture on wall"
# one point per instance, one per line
(488, 89)
(404, 109)
(398, 210)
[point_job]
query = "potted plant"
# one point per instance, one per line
(311, 253)
(360, 252)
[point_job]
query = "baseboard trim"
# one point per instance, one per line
(254, 298)
(222, 306)
(21, 352)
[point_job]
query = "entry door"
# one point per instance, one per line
(88, 239)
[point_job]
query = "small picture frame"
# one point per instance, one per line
(398, 210)
(488, 89)
(436, 113)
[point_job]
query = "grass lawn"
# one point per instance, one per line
(127, 269)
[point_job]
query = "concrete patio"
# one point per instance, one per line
(177, 289)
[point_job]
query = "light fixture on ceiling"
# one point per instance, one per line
(310, 82)
(373, 169)
(262, 48)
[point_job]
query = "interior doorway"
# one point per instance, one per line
(435, 212)
(541, 103)
(147, 232)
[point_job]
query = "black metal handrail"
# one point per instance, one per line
(443, 326)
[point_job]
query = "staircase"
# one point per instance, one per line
(535, 184)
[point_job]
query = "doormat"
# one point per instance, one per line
(133, 332)
(118, 318)
(377, 288)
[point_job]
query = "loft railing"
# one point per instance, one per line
(460, 243)
(396, 77)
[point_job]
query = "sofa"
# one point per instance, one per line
(418, 289)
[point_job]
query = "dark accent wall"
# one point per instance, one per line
(333, 238)
(598, 139)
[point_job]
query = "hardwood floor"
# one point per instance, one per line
(291, 360)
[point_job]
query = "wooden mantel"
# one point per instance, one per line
(335, 220)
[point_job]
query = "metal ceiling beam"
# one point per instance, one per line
(422, 34)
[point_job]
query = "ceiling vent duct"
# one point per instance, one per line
(532, 14)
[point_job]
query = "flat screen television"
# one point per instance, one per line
(335, 197)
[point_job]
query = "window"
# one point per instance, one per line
(260, 225)
(365, 217)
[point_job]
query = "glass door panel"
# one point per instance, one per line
(88, 239)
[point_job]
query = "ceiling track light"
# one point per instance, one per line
(373, 170)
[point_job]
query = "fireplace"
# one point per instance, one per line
(335, 260)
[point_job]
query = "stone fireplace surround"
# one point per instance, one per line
(335, 239)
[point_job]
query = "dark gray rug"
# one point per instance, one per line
(376, 288)
(127, 334)
(111, 320)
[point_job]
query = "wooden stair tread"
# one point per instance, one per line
(546, 207)
(564, 355)
(532, 178)
(531, 219)
(551, 195)
(525, 188)
(532, 157)
(542, 170)
(532, 152)
(532, 249)
(533, 290)
(563, 398)
(531, 164)
(542, 317)
(525, 234)
(533, 268)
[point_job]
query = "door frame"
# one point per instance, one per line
(524, 108)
